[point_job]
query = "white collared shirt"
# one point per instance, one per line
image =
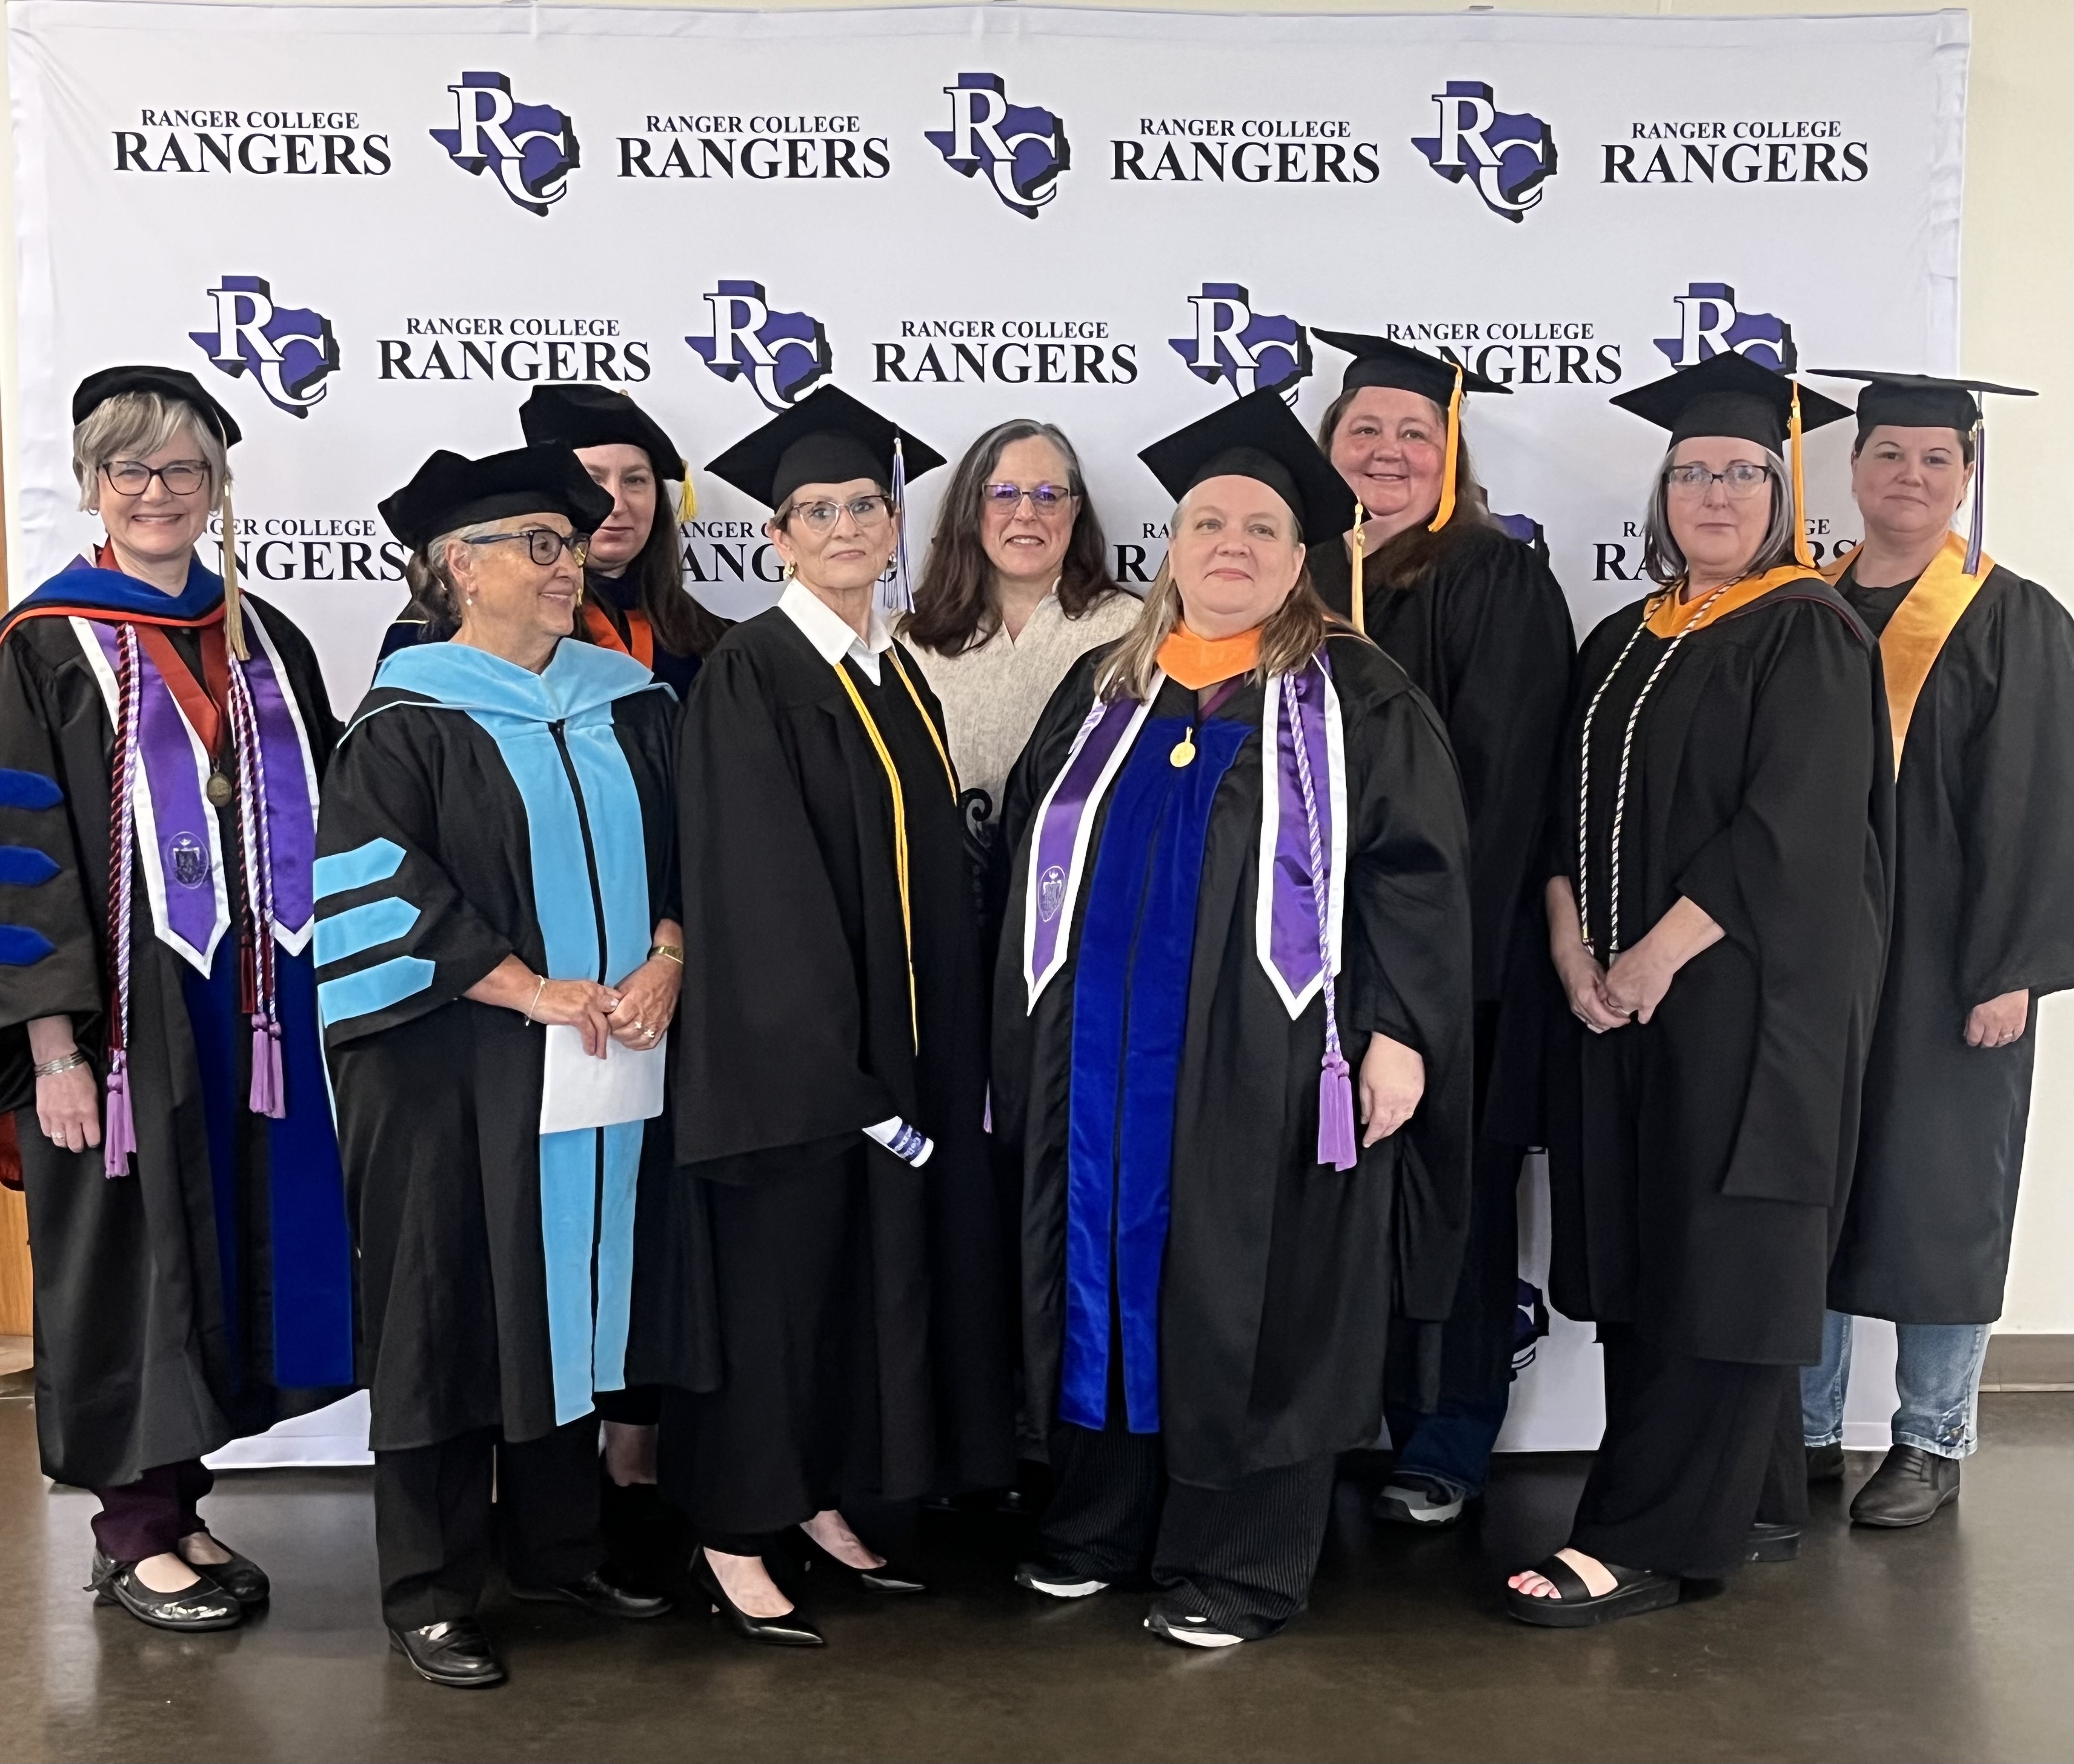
(825, 629)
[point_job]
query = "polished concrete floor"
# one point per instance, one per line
(1953, 1641)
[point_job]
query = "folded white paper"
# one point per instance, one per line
(907, 1143)
(579, 1091)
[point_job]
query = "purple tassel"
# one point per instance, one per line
(118, 1138)
(269, 1096)
(1336, 1114)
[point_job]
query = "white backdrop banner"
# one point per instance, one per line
(372, 230)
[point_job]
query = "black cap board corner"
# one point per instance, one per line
(580, 416)
(450, 490)
(1378, 360)
(1729, 394)
(171, 382)
(1258, 437)
(828, 437)
(1918, 401)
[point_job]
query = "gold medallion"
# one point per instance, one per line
(219, 790)
(1183, 753)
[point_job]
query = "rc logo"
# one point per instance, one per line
(781, 354)
(1247, 349)
(1508, 154)
(1022, 149)
(289, 350)
(1708, 324)
(532, 148)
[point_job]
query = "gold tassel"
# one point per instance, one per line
(687, 498)
(234, 612)
(1802, 554)
(1446, 512)
(1360, 546)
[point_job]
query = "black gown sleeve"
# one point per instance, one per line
(1779, 879)
(395, 937)
(2016, 931)
(770, 1043)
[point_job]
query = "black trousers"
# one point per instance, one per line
(1694, 1451)
(150, 1516)
(435, 1526)
(640, 1406)
(1243, 1557)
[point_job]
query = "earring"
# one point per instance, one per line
(790, 571)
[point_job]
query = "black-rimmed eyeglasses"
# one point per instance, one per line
(543, 544)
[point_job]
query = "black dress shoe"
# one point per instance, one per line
(884, 1578)
(203, 1605)
(1773, 1542)
(1910, 1485)
(242, 1577)
(790, 1630)
(1825, 1463)
(601, 1595)
(454, 1652)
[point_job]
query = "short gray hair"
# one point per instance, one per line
(134, 426)
(430, 575)
(1666, 562)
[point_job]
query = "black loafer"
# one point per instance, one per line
(203, 1605)
(599, 1595)
(1773, 1542)
(884, 1578)
(242, 1577)
(1909, 1487)
(455, 1654)
(1635, 1591)
(1825, 1463)
(790, 1630)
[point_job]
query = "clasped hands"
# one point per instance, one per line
(636, 1013)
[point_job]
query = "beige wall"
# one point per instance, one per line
(2018, 318)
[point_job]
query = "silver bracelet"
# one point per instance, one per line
(50, 1069)
(537, 991)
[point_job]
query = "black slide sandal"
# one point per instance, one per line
(1635, 1591)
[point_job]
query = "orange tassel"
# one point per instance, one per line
(1803, 554)
(1446, 512)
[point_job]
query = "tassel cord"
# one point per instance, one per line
(256, 842)
(1977, 528)
(119, 1133)
(1336, 1143)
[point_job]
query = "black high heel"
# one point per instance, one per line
(884, 1579)
(790, 1630)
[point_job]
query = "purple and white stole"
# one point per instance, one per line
(1303, 859)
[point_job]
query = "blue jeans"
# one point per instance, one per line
(1452, 1445)
(1937, 1374)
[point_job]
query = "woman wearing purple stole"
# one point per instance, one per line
(1239, 914)
(161, 746)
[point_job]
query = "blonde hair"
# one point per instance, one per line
(134, 426)
(1289, 637)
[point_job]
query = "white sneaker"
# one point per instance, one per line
(1058, 1583)
(1413, 1499)
(1190, 1631)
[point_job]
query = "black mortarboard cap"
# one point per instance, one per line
(1918, 401)
(597, 416)
(171, 382)
(1378, 361)
(450, 491)
(1729, 395)
(1258, 437)
(828, 437)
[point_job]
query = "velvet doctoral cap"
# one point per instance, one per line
(170, 382)
(450, 491)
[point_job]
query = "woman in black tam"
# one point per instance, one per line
(1718, 892)
(831, 1071)
(1472, 613)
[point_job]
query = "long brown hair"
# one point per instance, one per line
(683, 624)
(1289, 636)
(1402, 559)
(951, 606)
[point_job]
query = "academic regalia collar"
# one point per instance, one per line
(81, 589)
(1668, 619)
(458, 676)
(1197, 662)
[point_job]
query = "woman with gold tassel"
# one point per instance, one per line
(1473, 615)
(1720, 881)
(161, 746)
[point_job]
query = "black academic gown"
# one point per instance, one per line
(1281, 1273)
(1700, 1163)
(154, 1292)
(1984, 904)
(1485, 634)
(439, 1097)
(800, 1025)
(619, 599)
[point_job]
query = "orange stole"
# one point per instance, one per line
(1667, 618)
(1915, 636)
(599, 628)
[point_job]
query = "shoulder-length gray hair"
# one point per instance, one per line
(1660, 554)
(134, 426)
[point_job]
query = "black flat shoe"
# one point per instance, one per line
(884, 1578)
(1825, 1464)
(601, 1594)
(455, 1654)
(203, 1605)
(1770, 1543)
(790, 1630)
(1910, 1486)
(1635, 1591)
(242, 1577)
